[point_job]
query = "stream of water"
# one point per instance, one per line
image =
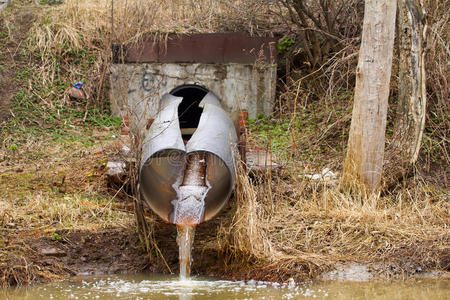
(185, 239)
(151, 286)
(189, 208)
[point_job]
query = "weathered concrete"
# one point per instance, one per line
(4, 4)
(136, 89)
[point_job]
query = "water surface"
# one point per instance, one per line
(157, 287)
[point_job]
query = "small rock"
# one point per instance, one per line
(325, 175)
(260, 162)
(77, 93)
(53, 252)
(291, 283)
(444, 263)
(115, 168)
(116, 172)
(349, 272)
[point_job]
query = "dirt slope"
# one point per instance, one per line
(13, 34)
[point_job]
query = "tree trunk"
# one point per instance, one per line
(364, 161)
(410, 120)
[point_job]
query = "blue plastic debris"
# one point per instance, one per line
(78, 85)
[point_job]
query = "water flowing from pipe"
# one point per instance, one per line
(185, 240)
(189, 208)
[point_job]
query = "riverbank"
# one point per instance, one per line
(59, 219)
(59, 216)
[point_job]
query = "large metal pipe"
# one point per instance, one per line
(169, 167)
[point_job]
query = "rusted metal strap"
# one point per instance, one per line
(199, 48)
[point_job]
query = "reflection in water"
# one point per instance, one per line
(150, 286)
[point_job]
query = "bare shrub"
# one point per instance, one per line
(437, 131)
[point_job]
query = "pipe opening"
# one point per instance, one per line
(188, 111)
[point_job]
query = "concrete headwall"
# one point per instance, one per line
(136, 89)
(4, 4)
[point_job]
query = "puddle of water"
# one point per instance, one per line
(171, 287)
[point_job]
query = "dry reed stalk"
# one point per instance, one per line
(246, 233)
(87, 24)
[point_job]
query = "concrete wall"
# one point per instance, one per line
(4, 4)
(137, 88)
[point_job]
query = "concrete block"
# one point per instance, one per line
(4, 4)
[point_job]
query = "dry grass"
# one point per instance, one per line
(49, 187)
(50, 213)
(314, 224)
(76, 26)
(436, 137)
(58, 185)
(246, 226)
(290, 222)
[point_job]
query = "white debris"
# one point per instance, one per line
(125, 150)
(291, 283)
(115, 168)
(325, 175)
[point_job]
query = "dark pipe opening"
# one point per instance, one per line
(188, 111)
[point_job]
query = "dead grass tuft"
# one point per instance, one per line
(245, 233)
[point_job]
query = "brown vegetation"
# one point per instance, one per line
(275, 226)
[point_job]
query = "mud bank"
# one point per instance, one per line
(32, 257)
(119, 251)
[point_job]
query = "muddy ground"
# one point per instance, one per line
(119, 251)
(49, 255)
